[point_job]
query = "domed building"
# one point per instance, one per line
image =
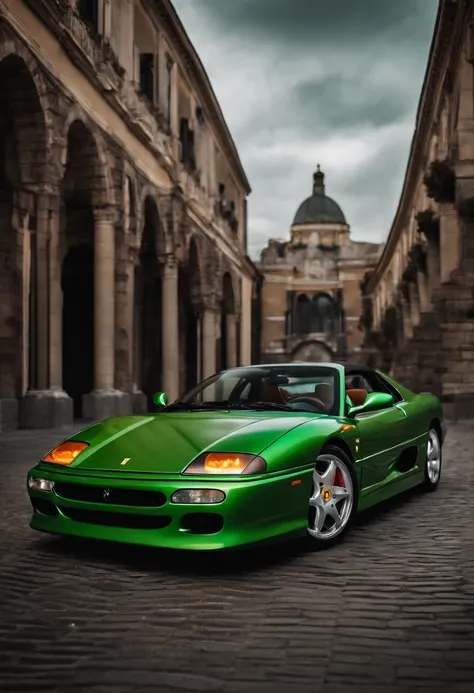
(310, 298)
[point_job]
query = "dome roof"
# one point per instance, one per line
(319, 208)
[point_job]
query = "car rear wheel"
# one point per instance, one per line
(333, 501)
(434, 459)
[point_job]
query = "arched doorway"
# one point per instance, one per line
(323, 315)
(148, 308)
(80, 188)
(189, 291)
(315, 352)
(228, 338)
(23, 157)
(302, 314)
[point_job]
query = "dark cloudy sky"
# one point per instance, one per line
(302, 82)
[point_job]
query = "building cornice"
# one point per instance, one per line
(433, 84)
(199, 75)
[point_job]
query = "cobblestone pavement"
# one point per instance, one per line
(392, 609)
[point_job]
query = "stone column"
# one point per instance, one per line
(425, 303)
(449, 242)
(209, 331)
(45, 404)
(124, 312)
(55, 302)
(465, 125)
(104, 295)
(170, 329)
(414, 305)
(433, 268)
(199, 347)
(407, 320)
(104, 401)
(231, 330)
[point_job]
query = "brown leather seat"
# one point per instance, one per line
(325, 393)
(270, 393)
(357, 397)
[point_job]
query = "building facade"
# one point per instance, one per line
(311, 302)
(419, 302)
(122, 213)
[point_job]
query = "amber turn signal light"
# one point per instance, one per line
(65, 453)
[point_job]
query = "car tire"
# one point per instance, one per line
(324, 539)
(433, 462)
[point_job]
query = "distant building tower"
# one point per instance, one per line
(311, 300)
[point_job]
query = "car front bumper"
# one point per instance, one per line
(252, 511)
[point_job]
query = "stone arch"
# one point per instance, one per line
(200, 262)
(149, 192)
(86, 147)
(85, 193)
(24, 141)
(27, 65)
(312, 350)
(152, 230)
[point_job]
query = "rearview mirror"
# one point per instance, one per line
(373, 401)
(160, 399)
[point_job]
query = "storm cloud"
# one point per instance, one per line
(300, 83)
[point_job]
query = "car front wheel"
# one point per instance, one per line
(434, 459)
(333, 501)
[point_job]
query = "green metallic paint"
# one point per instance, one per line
(373, 402)
(257, 508)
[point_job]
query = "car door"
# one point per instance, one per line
(383, 436)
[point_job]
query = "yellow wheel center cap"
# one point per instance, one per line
(327, 495)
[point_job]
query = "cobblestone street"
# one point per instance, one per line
(392, 609)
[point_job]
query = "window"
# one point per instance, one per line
(88, 11)
(186, 137)
(169, 85)
(370, 381)
(388, 387)
(147, 76)
(277, 385)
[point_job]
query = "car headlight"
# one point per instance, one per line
(227, 463)
(37, 484)
(206, 496)
(65, 453)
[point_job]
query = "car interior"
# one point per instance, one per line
(356, 389)
(322, 394)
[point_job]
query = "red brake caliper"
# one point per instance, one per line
(338, 479)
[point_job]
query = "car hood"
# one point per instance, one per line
(167, 443)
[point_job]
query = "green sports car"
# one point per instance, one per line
(252, 454)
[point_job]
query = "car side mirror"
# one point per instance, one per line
(160, 399)
(373, 401)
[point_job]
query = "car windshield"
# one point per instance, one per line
(288, 388)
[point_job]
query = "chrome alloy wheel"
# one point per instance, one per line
(332, 499)
(433, 457)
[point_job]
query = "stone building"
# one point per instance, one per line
(122, 213)
(419, 302)
(311, 302)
